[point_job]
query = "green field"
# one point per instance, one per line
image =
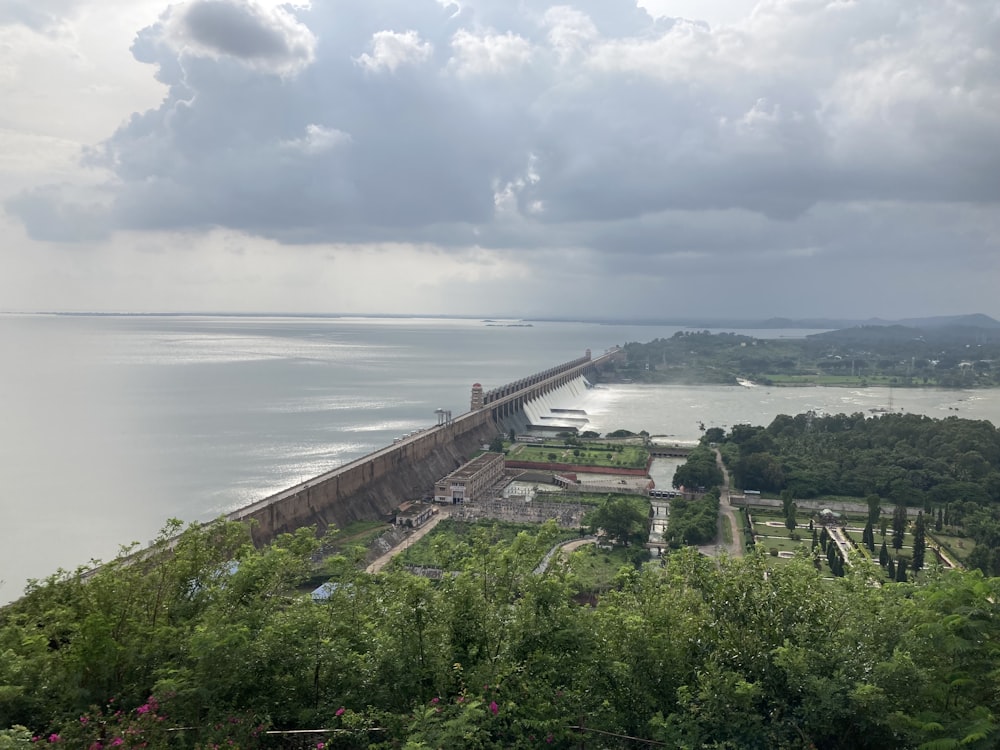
(580, 498)
(452, 545)
(595, 569)
(602, 455)
(779, 537)
(955, 546)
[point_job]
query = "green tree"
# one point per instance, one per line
(874, 509)
(790, 521)
(898, 526)
(901, 570)
(883, 555)
(919, 543)
(622, 519)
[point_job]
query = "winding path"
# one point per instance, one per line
(728, 514)
(383, 560)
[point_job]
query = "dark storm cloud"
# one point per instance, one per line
(584, 125)
(243, 31)
(62, 213)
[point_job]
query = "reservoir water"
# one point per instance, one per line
(109, 425)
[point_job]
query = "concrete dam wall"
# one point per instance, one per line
(373, 486)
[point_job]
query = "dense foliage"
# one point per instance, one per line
(947, 466)
(694, 521)
(696, 653)
(700, 469)
(904, 458)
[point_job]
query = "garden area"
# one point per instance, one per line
(456, 545)
(782, 544)
(581, 453)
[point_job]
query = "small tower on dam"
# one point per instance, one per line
(477, 397)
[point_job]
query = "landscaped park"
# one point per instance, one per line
(594, 455)
(771, 535)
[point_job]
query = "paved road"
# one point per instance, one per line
(565, 548)
(382, 561)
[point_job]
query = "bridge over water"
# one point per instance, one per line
(373, 486)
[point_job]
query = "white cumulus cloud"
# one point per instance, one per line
(393, 49)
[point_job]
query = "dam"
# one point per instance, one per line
(373, 486)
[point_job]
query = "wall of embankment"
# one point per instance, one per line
(373, 486)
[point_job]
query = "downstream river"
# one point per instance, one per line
(113, 424)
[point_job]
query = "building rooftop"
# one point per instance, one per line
(474, 466)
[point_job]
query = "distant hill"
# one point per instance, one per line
(871, 334)
(974, 320)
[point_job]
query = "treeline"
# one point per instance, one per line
(699, 470)
(694, 522)
(948, 467)
(209, 642)
(903, 458)
(957, 358)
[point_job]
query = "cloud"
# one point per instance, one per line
(63, 212)
(586, 126)
(272, 40)
(488, 54)
(391, 49)
(318, 139)
(37, 16)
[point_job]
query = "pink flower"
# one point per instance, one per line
(96, 746)
(84, 720)
(320, 746)
(340, 711)
(54, 737)
(549, 739)
(143, 709)
(117, 741)
(494, 708)
(435, 700)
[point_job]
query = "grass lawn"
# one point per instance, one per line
(583, 498)
(958, 546)
(783, 543)
(595, 569)
(604, 456)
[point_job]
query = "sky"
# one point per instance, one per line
(587, 159)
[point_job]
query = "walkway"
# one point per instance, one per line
(728, 514)
(383, 560)
(567, 547)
